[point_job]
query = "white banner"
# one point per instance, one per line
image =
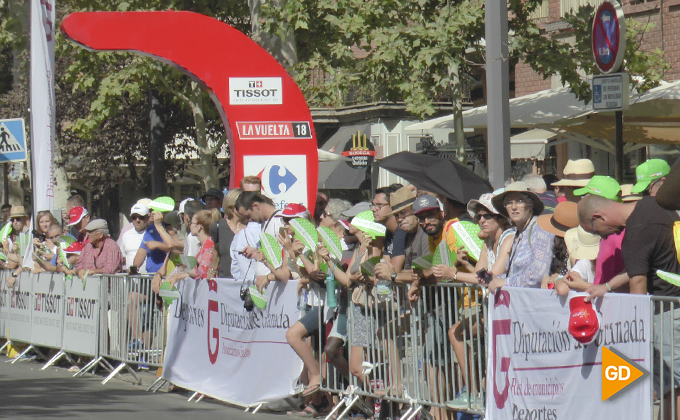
(20, 305)
(218, 348)
(81, 316)
(47, 309)
(537, 370)
(4, 305)
(43, 111)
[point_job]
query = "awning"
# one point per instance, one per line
(538, 109)
(530, 144)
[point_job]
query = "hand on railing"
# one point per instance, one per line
(444, 272)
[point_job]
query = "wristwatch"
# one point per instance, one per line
(393, 277)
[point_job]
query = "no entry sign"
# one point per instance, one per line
(609, 36)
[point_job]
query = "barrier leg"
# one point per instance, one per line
(335, 409)
(29, 348)
(349, 407)
(257, 408)
(91, 364)
(157, 381)
(56, 357)
(117, 370)
(4, 346)
(203, 396)
(415, 412)
(194, 395)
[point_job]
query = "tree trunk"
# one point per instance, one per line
(156, 147)
(457, 101)
(205, 157)
(283, 50)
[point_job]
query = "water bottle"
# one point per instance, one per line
(331, 299)
(383, 289)
(302, 300)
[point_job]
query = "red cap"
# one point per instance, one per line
(76, 215)
(75, 247)
(294, 210)
(344, 224)
(584, 320)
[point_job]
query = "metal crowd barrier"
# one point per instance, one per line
(132, 326)
(102, 318)
(409, 360)
(665, 313)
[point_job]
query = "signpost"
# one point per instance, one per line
(609, 92)
(12, 140)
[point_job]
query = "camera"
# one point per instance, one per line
(40, 236)
(248, 303)
(484, 275)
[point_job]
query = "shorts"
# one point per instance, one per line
(339, 327)
(436, 337)
(669, 354)
(362, 324)
(311, 319)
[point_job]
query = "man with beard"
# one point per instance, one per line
(415, 241)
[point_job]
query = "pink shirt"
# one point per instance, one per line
(609, 261)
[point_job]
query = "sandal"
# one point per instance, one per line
(309, 390)
(314, 410)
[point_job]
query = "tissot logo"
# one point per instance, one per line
(261, 91)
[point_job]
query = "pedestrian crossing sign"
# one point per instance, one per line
(12, 140)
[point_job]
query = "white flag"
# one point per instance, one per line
(43, 109)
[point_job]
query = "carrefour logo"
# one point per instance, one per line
(255, 91)
(277, 179)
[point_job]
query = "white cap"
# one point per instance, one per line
(139, 209)
(183, 203)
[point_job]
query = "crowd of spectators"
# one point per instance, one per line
(583, 232)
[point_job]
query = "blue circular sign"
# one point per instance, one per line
(609, 37)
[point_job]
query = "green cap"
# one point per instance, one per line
(649, 171)
(162, 204)
(604, 186)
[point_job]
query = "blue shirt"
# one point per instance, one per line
(155, 258)
(530, 257)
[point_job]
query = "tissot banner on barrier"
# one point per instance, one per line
(20, 308)
(48, 309)
(81, 315)
(537, 370)
(218, 348)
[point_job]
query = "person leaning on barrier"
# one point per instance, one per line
(200, 227)
(130, 240)
(101, 254)
(223, 232)
(648, 245)
(493, 257)
(46, 256)
(531, 251)
(253, 206)
(16, 245)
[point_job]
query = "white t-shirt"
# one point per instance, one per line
(585, 269)
(130, 241)
(191, 245)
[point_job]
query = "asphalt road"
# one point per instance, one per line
(26, 392)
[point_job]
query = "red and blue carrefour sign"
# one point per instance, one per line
(609, 36)
(267, 119)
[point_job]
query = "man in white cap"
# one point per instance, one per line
(577, 173)
(131, 240)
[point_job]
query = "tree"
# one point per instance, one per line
(408, 50)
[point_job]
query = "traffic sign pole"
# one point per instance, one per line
(609, 46)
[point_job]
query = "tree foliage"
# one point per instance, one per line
(394, 50)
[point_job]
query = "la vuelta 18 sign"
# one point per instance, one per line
(267, 119)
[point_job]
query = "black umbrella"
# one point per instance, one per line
(438, 175)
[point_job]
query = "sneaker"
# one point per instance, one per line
(461, 402)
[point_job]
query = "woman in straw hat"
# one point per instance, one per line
(530, 256)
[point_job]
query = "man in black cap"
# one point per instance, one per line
(213, 199)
